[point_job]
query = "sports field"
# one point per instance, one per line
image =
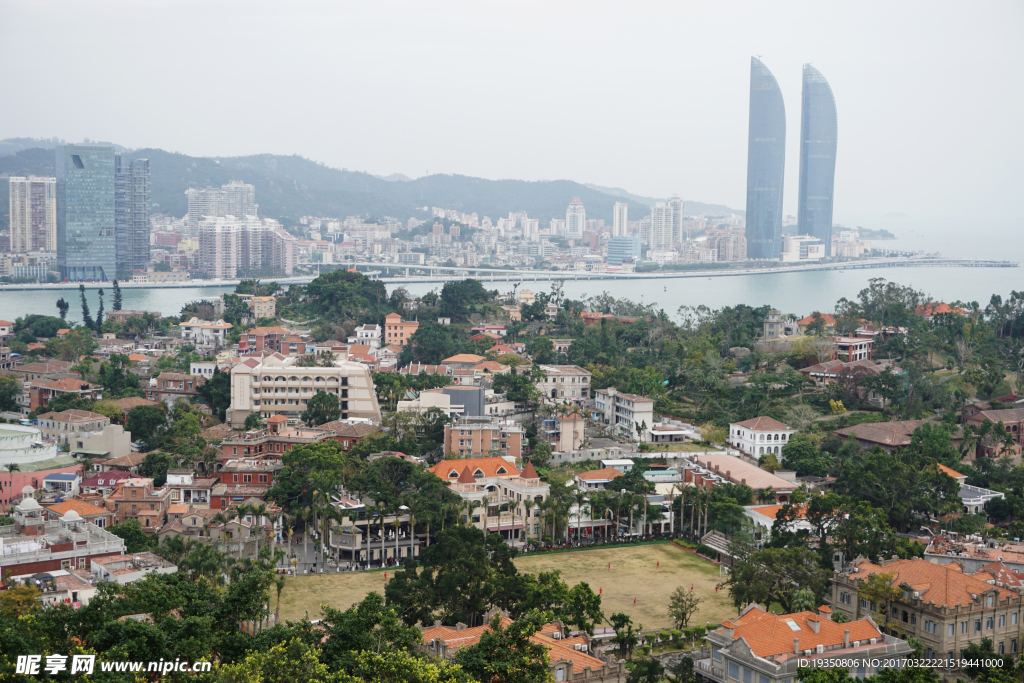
(635, 575)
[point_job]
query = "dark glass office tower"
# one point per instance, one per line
(86, 222)
(132, 211)
(818, 128)
(766, 163)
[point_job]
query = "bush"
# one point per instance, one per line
(707, 552)
(676, 634)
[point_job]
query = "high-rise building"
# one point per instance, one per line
(622, 248)
(131, 205)
(679, 233)
(663, 228)
(818, 132)
(236, 199)
(766, 163)
(232, 247)
(620, 219)
(575, 219)
(33, 214)
(86, 242)
(240, 199)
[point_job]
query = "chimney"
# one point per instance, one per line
(796, 646)
(743, 481)
(814, 623)
(846, 638)
(728, 474)
(460, 626)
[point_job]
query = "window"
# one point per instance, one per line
(1002, 649)
(716, 654)
(963, 627)
(1002, 620)
(952, 629)
(734, 670)
(1013, 618)
(988, 600)
(977, 625)
(746, 675)
(990, 623)
(863, 603)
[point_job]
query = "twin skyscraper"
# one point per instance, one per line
(766, 161)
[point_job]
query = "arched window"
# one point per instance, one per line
(761, 452)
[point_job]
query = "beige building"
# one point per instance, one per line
(33, 214)
(275, 385)
(398, 331)
(81, 431)
(483, 436)
(624, 412)
(262, 306)
(940, 604)
(563, 383)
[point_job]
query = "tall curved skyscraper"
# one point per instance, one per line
(818, 128)
(766, 163)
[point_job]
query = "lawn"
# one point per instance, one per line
(634, 575)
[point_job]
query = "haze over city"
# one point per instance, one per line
(652, 98)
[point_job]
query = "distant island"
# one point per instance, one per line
(866, 234)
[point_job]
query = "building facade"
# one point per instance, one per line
(86, 223)
(33, 206)
(484, 435)
(759, 436)
(818, 133)
(131, 214)
(766, 163)
(275, 385)
(575, 219)
(620, 219)
(625, 411)
(398, 331)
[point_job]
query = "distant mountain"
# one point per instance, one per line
(688, 205)
(291, 186)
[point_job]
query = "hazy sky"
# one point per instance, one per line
(651, 97)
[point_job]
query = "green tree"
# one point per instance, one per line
(646, 671)
(117, 296)
(155, 465)
(216, 393)
(146, 423)
(62, 308)
(10, 390)
(254, 421)
(321, 408)
(86, 315)
(135, 539)
(682, 605)
(772, 574)
(507, 654)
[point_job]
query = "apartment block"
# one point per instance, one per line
(484, 435)
(397, 331)
(33, 214)
(564, 383)
(625, 411)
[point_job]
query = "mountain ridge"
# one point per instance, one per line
(290, 186)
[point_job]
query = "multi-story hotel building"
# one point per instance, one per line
(276, 385)
(33, 214)
(483, 436)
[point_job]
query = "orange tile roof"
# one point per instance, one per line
(80, 506)
(770, 635)
(471, 358)
(466, 477)
(491, 366)
(529, 472)
(608, 473)
(941, 584)
(68, 384)
(178, 509)
(936, 309)
(1002, 575)
(829, 320)
(771, 511)
(488, 466)
(951, 472)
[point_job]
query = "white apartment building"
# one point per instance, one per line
(626, 411)
(620, 219)
(801, 248)
(760, 436)
(204, 333)
(563, 383)
(33, 214)
(575, 219)
(370, 335)
(275, 385)
(228, 244)
(675, 202)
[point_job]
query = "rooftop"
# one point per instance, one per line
(772, 635)
(764, 424)
(941, 584)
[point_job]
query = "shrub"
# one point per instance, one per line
(706, 551)
(676, 634)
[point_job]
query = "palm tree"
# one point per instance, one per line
(579, 497)
(279, 581)
(306, 514)
(528, 504)
(766, 495)
(485, 504)
(259, 511)
(13, 467)
(241, 512)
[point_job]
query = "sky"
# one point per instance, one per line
(647, 96)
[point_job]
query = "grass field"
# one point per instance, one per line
(634, 574)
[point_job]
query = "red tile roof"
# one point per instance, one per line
(450, 469)
(770, 635)
(829, 320)
(763, 424)
(606, 474)
(942, 584)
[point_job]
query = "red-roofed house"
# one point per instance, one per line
(569, 659)
(595, 480)
(512, 494)
(830, 323)
(41, 392)
(94, 514)
(759, 646)
(943, 606)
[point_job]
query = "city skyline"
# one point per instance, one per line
(695, 129)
